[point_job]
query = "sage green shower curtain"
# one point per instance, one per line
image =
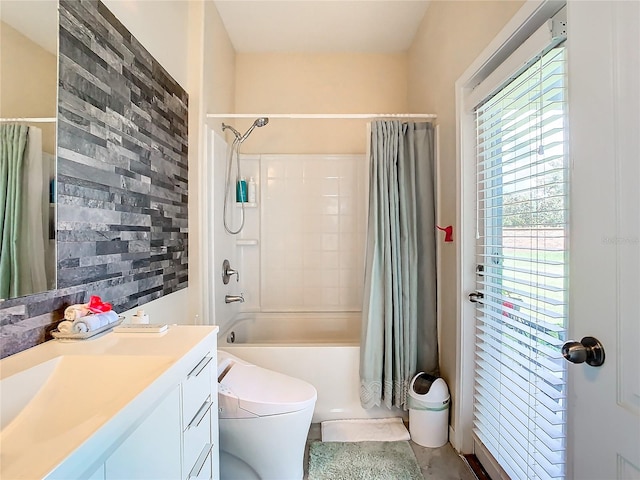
(13, 140)
(399, 331)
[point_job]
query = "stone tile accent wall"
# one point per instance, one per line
(121, 180)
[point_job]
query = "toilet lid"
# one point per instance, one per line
(265, 392)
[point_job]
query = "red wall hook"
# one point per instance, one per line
(448, 232)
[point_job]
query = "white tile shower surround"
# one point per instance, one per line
(313, 220)
(435, 463)
(249, 256)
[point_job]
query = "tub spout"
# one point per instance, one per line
(234, 298)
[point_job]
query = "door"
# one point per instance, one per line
(520, 404)
(543, 404)
(604, 119)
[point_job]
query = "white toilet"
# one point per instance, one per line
(264, 421)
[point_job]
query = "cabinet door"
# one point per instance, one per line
(152, 451)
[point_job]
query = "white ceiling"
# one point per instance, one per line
(371, 26)
(35, 19)
(374, 26)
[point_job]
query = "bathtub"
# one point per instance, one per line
(320, 348)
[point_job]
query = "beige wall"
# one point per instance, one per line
(218, 97)
(195, 87)
(211, 83)
(28, 82)
(449, 39)
(162, 28)
(317, 83)
(219, 67)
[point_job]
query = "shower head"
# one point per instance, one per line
(259, 122)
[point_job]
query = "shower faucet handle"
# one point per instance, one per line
(227, 272)
(231, 272)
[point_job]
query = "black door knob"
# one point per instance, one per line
(588, 350)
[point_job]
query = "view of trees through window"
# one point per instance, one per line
(544, 206)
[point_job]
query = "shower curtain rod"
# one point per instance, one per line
(321, 116)
(28, 120)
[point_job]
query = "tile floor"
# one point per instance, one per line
(436, 463)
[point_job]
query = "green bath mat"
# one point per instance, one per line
(363, 461)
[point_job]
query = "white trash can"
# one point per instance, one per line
(429, 410)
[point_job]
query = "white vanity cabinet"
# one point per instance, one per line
(179, 439)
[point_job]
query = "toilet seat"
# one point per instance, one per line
(247, 390)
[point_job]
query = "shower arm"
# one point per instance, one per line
(235, 132)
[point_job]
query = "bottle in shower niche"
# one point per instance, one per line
(241, 190)
(252, 193)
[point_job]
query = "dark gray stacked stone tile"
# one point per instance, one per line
(122, 190)
(27, 321)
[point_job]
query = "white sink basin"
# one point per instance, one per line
(18, 390)
(72, 391)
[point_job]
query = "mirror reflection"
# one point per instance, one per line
(28, 106)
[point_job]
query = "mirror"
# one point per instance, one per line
(28, 107)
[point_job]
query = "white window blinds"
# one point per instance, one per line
(519, 398)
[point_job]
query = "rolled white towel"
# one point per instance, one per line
(86, 324)
(74, 312)
(107, 317)
(93, 322)
(65, 326)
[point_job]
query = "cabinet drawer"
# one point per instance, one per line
(196, 435)
(196, 389)
(203, 469)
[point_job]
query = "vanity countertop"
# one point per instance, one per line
(64, 402)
